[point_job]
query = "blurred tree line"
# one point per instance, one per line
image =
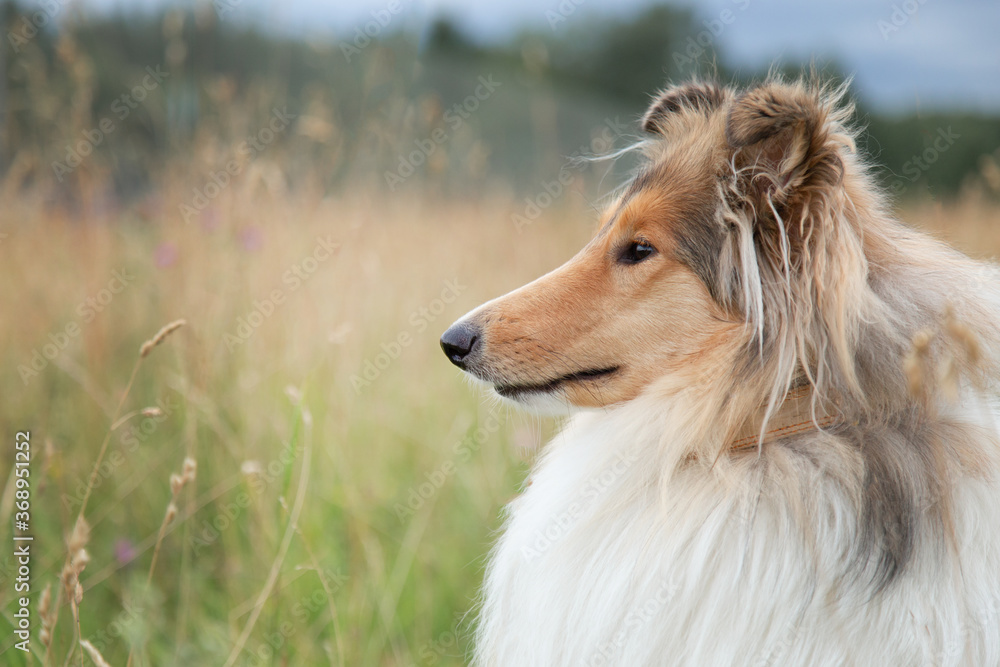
(113, 104)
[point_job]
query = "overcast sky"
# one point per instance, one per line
(906, 54)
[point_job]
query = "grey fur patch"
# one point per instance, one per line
(898, 489)
(700, 241)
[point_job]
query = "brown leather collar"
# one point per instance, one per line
(795, 415)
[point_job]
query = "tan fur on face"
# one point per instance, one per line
(867, 540)
(648, 319)
(765, 224)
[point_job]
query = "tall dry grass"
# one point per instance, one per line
(336, 517)
(347, 480)
(294, 519)
(300, 540)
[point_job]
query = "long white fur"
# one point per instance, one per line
(597, 566)
(625, 549)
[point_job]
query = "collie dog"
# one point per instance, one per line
(782, 447)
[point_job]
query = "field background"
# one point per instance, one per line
(348, 481)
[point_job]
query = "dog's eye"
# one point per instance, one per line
(636, 251)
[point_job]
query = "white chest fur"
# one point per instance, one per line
(603, 563)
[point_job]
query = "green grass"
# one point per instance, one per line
(402, 472)
(401, 494)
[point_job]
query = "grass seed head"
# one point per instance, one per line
(47, 615)
(176, 483)
(45, 603)
(189, 470)
(94, 654)
(80, 536)
(252, 467)
(148, 346)
(80, 560)
(171, 513)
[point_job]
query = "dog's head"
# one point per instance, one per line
(691, 263)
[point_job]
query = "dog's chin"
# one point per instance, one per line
(549, 404)
(546, 398)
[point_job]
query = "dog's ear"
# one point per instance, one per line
(781, 142)
(705, 97)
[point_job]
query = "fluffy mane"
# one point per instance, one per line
(875, 538)
(888, 326)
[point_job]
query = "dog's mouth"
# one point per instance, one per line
(515, 390)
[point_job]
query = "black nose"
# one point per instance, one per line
(459, 341)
